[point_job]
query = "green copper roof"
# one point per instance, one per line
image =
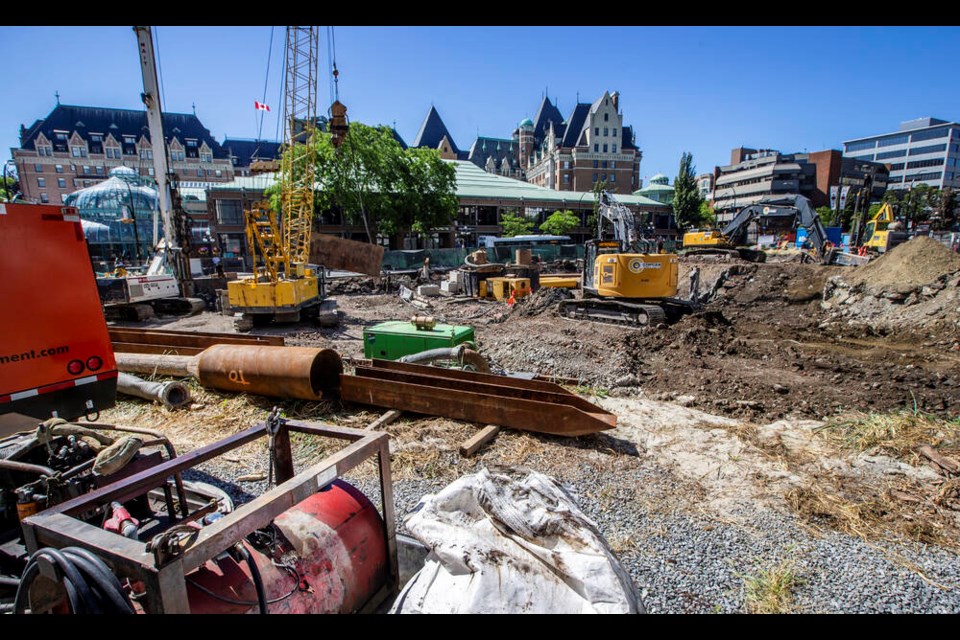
(474, 183)
(526, 122)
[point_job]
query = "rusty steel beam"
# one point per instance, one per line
(286, 372)
(505, 386)
(349, 255)
(555, 412)
(133, 340)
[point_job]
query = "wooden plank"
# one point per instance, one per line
(472, 444)
(349, 255)
(389, 518)
(383, 420)
(947, 464)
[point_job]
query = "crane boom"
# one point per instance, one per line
(151, 99)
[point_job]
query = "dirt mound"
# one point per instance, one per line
(545, 299)
(920, 261)
(916, 286)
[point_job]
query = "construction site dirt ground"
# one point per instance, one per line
(737, 459)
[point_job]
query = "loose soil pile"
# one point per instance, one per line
(914, 286)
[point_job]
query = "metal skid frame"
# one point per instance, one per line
(165, 585)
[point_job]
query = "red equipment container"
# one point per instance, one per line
(55, 352)
(337, 537)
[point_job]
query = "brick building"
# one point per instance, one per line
(76, 147)
(756, 173)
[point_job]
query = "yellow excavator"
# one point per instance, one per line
(883, 232)
(623, 282)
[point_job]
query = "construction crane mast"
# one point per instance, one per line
(297, 174)
(284, 289)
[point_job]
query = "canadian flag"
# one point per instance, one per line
(260, 106)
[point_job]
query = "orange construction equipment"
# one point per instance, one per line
(56, 359)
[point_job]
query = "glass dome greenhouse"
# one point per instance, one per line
(108, 210)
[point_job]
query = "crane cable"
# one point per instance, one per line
(265, 81)
(335, 91)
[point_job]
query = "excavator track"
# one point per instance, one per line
(750, 255)
(613, 312)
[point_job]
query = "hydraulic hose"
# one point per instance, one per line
(90, 585)
(255, 574)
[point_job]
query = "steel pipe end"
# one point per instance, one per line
(175, 395)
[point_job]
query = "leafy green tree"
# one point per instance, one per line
(707, 215)
(826, 215)
(514, 225)
(8, 187)
(372, 179)
(560, 223)
(686, 195)
(947, 209)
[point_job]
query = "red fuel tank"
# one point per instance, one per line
(335, 542)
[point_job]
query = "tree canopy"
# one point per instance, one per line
(560, 223)
(686, 195)
(372, 179)
(514, 225)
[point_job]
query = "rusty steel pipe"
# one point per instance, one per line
(303, 373)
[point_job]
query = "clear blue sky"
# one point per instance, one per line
(703, 90)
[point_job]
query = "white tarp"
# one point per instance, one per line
(512, 545)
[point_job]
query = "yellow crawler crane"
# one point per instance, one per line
(284, 288)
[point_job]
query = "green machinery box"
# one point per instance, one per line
(393, 340)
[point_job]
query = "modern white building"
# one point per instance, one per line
(922, 151)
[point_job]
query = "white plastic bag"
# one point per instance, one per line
(504, 545)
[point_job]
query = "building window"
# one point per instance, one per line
(887, 142)
(867, 144)
(150, 171)
(596, 131)
(41, 182)
(566, 178)
(44, 198)
(38, 168)
(891, 154)
(596, 164)
(614, 133)
(61, 183)
(86, 170)
(199, 173)
(78, 152)
(929, 135)
(606, 117)
(208, 157)
(99, 170)
(936, 175)
(897, 166)
(605, 148)
(613, 177)
(59, 168)
(613, 164)
(146, 154)
(606, 132)
(594, 177)
(934, 148)
(917, 164)
(614, 147)
(596, 148)
(603, 176)
(229, 212)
